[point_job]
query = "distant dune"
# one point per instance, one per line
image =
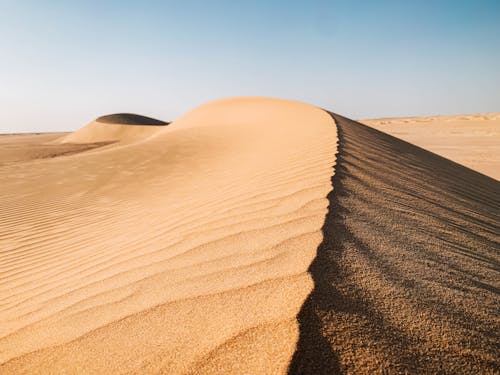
(120, 127)
(470, 140)
(250, 236)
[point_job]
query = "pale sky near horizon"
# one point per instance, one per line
(64, 63)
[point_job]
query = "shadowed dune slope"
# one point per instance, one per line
(130, 119)
(407, 277)
(185, 251)
(120, 127)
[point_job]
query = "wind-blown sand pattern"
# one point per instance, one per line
(470, 140)
(184, 251)
(242, 239)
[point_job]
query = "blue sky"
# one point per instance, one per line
(63, 63)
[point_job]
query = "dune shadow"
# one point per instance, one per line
(406, 277)
(130, 119)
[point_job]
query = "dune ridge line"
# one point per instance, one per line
(406, 279)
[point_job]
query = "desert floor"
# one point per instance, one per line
(252, 235)
(470, 140)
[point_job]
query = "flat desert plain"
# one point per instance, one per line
(470, 140)
(251, 236)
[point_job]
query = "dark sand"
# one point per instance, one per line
(130, 119)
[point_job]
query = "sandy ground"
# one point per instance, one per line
(470, 140)
(251, 236)
(185, 251)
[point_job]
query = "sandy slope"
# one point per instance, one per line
(407, 279)
(183, 248)
(470, 140)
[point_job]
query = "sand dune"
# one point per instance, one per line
(119, 127)
(186, 250)
(110, 130)
(470, 140)
(242, 239)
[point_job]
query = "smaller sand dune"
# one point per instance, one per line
(119, 127)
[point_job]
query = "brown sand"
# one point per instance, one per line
(184, 249)
(407, 279)
(470, 140)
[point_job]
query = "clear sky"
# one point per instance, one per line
(63, 63)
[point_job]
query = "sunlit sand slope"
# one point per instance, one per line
(183, 251)
(470, 140)
(407, 279)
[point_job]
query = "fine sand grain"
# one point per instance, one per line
(179, 248)
(407, 278)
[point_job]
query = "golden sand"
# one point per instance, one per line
(251, 236)
(186, 250)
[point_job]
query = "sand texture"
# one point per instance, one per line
(184, 251)
(470, 140)
(250, 236)
(407, 278)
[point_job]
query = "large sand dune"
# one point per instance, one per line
(241, 239)
(186, 251)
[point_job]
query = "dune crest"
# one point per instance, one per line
(407, 277)
(183, 251)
